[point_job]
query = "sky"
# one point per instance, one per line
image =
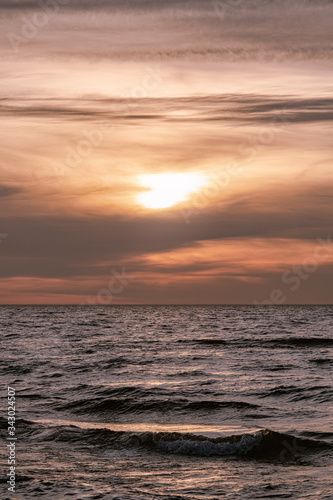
(166, 152)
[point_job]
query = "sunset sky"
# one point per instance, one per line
(174, 152)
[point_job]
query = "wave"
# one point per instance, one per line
(136, 405)
(211, 341)
(318, 434)
(322, 361)
(301, 342)
(189, 373)
(275, 342)
(321, 393)
(263, 444)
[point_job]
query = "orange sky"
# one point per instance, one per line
(240, 99)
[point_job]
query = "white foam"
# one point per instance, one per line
(208, 448)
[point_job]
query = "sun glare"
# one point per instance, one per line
(167, 190)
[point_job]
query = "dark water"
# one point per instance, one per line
(169, 403)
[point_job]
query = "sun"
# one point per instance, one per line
(167, 190)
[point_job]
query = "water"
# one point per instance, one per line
(169, 402)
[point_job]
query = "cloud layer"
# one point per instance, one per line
(96, 93)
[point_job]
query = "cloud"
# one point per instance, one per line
(63, 246)
(228, 72)
(251, 109)
(186, 29)
(251, 5)
(217, 289)
(7, 191)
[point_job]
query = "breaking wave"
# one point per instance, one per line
(263, 444)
